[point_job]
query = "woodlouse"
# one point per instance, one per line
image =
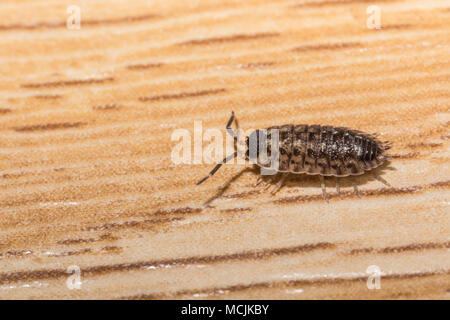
(314, 150)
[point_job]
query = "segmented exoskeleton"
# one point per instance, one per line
(314, 150)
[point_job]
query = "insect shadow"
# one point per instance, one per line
(295, 180)
(225, 187)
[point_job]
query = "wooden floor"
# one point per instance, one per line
(86, 177)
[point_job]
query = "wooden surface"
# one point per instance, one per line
(86, 177)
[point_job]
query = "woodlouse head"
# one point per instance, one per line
(262, 146)
(251, 143)
(254, 143)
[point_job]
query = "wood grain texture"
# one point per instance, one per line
(86, 177)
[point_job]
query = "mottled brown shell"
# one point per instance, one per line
(325, 150)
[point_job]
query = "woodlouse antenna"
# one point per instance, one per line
(213, 171)
(230, 157)
(229, 130)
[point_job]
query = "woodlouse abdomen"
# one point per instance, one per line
(320, 150)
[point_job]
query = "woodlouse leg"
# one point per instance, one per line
(338, 187)
(268, 184)
(258, 182)
(379, 178)
(324, 191)
(355, 187)
(279, 184)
